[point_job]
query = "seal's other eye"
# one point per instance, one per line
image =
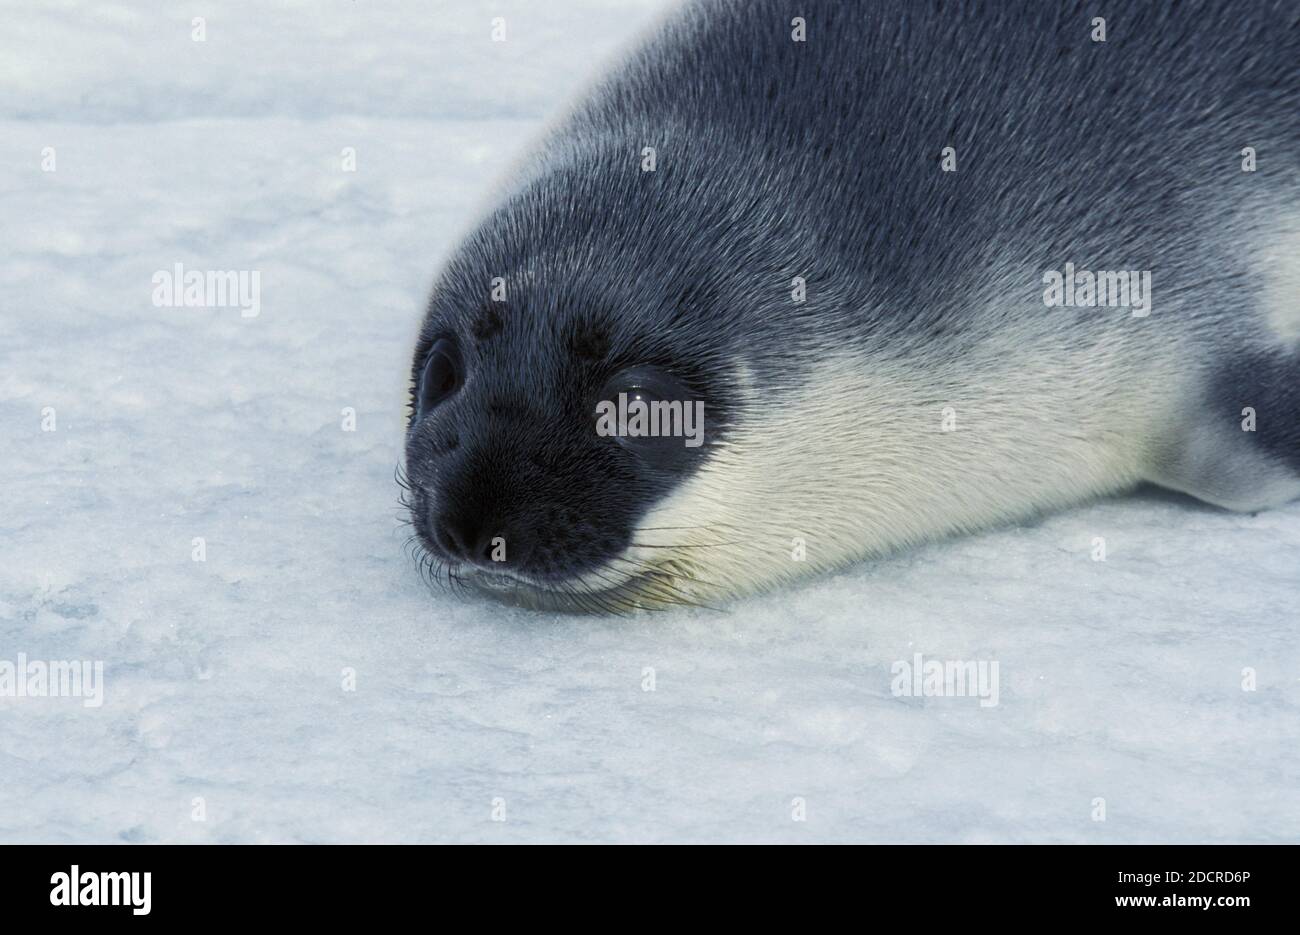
(441, 376)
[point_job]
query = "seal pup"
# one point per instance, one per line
(881, 244)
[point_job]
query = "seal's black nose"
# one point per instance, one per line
(467, 538)
(461, 539)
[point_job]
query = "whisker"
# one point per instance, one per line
(656, 583)
(400, 476)
(659, 528)
(659, 570)
(685, 545)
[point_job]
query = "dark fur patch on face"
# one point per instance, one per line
(591, 342)
(488, 325)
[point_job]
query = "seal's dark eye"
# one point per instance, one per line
(648, 411)
(440, 377)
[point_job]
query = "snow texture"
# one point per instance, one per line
(1120, 679)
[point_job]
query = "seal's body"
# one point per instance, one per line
(847, 235)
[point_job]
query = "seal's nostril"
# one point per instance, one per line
(450, 539)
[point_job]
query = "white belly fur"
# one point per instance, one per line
(858, 464)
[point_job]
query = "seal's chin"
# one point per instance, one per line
(494, 582)
(603, 592)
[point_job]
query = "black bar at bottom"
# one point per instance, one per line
(333, 885)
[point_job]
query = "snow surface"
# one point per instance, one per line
(224, 679)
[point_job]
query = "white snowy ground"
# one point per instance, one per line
(1119, 680)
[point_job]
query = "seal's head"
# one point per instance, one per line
(564, 384)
